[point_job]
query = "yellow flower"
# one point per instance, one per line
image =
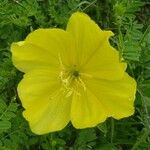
(73, 75)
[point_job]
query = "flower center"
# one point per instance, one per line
(75, 73)
(70, 77)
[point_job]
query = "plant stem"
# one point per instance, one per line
(144, 35)
(120, 45)
(141, 139)
(147, 124)
(112, 130)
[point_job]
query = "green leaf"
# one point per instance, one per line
(2, 105)
(103, 127)
(4, 125)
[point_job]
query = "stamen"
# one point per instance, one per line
(86, 75)
(60, 60)
(69, 93)
(82, 83)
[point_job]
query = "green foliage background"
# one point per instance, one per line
(129, 20)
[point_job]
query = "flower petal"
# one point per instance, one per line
(93, 48)
(108, 67)
(43, 49)
(108, 71)
(117, 97)
(86, 109)
(47, 108)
